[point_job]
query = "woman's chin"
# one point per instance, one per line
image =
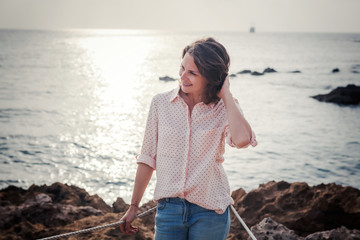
(185, 89)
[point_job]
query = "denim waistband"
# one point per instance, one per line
(174, 200)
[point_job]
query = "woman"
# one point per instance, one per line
(185, 141)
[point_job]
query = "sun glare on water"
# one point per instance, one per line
(115, 107)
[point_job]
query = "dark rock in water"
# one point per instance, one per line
(244, 72)
(257, 73)
(269, 70)
(232, 75)
(335, 70)
(349, 95)
(296, 71)
(355, 68)
(167, 79)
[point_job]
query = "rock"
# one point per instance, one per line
(232, 75)
(43, 210)
(335, 70)
(269, 70)
(296, 71)
(120, 206)
(167, 79)
(257, 73)
(287, 209)
(355, 68)
(299, 207)
(268, 229)
(339, 233)
(349, 95)
(244, 72)
(58, 192)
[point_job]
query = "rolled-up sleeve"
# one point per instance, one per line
(149, 147)
(252, 142)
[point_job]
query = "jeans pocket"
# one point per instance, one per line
(161, 204)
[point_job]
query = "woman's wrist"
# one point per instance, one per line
(134, 205)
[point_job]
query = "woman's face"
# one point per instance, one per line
(192, 82)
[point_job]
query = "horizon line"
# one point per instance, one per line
(172, 30)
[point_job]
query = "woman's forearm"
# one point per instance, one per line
(240, 129)
(143, 176)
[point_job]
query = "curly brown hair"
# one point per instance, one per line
(212, 61)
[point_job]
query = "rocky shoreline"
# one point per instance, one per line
(275, 210)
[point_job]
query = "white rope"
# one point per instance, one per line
(243, 223)
(139, 216)
(98, 227)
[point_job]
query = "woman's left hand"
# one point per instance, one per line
(225, 89)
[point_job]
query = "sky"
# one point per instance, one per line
(184, 15)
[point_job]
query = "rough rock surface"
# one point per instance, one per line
(43, 211)
(299, 207)
(339, 233)
(268, 229)
(349, 95)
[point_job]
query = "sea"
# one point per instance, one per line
(73, 106)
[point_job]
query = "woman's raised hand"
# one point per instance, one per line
(225, 89)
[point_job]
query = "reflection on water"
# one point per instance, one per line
(111, 128)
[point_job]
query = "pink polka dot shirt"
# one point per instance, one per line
(187, 151)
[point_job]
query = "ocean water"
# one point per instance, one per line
(73, 106)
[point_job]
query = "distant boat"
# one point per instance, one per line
(252, 29)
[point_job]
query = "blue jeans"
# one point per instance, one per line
(179, 219)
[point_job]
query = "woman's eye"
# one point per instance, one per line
(193, 73)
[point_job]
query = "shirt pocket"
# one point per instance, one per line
(208, 144)
(209, 137)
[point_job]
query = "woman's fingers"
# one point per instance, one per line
(132, 229)
(128, 229)
(122, 227)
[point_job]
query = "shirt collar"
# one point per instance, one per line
(174, 94)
